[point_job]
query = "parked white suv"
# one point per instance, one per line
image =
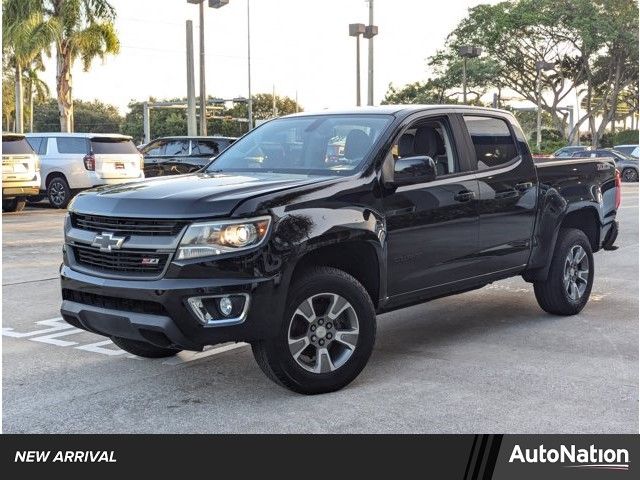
(76, 161)
(20, 172)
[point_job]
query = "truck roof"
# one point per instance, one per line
(401, 109)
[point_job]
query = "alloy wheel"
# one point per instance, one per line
(576, 272)
(323, 333)
(58, 193)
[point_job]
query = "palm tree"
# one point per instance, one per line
(25, 35)
(37, 88)
(83, 29)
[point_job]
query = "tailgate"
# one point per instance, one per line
(118, 166)
(116, 157)
(18, 168)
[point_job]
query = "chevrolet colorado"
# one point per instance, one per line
(298, 234)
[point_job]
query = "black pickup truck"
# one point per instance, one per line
(298, 234)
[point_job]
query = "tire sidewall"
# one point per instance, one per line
(326, 282)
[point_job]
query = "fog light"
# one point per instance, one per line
(220, 310)
(226, 306)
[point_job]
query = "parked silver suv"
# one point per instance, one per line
(20, 172)
(76, 161)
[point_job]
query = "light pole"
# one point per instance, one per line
(371, 31)
(467, 51)
(540, 66)
(191, 86)
(249, 100)
(355, 30)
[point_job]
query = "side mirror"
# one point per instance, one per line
(410, 170)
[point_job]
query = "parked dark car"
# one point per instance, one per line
(280, 244)
(627, 165)
(568, 151)
(179, 155)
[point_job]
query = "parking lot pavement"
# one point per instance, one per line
(488, 360)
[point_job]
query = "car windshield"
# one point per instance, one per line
(313, 145)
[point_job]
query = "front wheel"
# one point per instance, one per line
(16, 204)
(630, 175)
(143, 349)
(326, 336)
(568, 285)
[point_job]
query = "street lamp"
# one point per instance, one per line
(203, 93)
(467, 51)
(355, 30)
(370, 31)
(540, 66)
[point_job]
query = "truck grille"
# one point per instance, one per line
(121, 261)
(127, 226)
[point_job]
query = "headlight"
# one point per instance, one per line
(213, 238)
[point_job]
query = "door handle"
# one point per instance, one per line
(464, 196)
(524, 186)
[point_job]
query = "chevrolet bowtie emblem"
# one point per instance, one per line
(107, 242)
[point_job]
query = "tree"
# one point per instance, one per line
(93, 117)
(83, 29)
(25, 35)
(37, 89)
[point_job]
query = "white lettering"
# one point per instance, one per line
(516, 454)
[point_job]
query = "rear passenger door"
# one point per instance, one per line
(507, 185)
(67, 158)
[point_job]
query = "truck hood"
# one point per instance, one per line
(185, 196)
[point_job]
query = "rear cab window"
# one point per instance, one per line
(113, 145)
(492, 140)
(16, 145)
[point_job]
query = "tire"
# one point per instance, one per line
(143, 349)
(556, 295)
(16, 204)
(320, 367)
(629, 175)
(58, 192)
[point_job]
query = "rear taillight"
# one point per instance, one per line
(618, 189)
(89, 162)
(141, 162)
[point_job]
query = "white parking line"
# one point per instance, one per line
(185, 357)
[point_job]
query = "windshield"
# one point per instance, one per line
(320, 145)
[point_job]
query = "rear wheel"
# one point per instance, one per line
(58, 192)
(326, 336)
(568, 285)
(144, 349)
(14, 205)
(630, 175)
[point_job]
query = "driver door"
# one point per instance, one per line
(432, 227)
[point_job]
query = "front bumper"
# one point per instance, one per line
(156, 311)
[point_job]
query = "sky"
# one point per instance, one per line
(298, 46)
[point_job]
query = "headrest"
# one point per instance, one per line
(356, 144)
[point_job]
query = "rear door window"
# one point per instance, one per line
(492, 140)
(102, 146)
(207, 147)
(177, 148)
(14, 145)
(73, 145)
